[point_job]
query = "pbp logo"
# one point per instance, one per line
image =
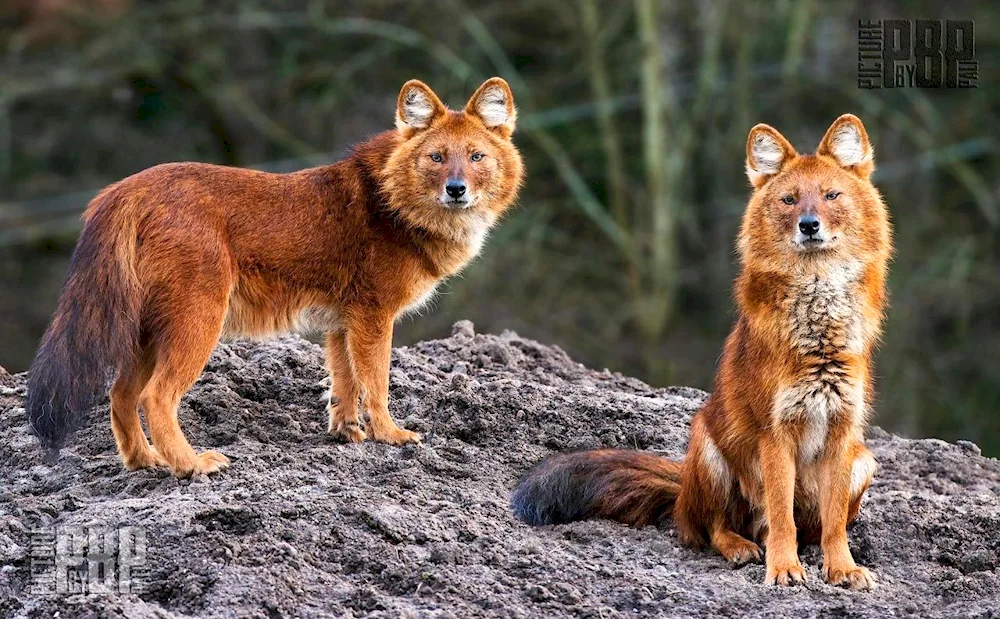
(926, 53)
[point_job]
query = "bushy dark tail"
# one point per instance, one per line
(631, 487)
(95, 328)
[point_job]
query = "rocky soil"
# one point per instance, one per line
(302, 525)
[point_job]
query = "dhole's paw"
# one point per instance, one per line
(741, 552)
(856, 577)
(350, 432)
(205, 463)
(211, 462)
(397, 436)
(156, 458)
(785, 574)
(146, 460)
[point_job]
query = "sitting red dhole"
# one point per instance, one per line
(777, 452)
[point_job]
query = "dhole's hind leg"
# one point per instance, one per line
(182, 347)
(730, 544)
(131, 440)
(343, 415)
(706, 491)
(862, 471)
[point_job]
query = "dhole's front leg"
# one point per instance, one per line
(343, 414)
(777, 463)
(369, 346)
(835, 503)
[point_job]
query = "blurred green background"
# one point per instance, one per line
(634, 116)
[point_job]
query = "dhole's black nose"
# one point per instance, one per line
(455, 188)
(809, 224)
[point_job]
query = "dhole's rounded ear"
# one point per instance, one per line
(417, 107)
(493, 103)
(846, 141)
(767, 153)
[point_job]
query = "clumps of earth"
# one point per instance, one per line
(302, 525)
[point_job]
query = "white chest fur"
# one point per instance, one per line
(472, 235)
(477, 234)
(824, 315)
(470, 239)
(824, 322)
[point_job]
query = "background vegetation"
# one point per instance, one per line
(634, 116)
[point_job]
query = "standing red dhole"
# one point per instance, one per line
(176, 256)
(777, 452)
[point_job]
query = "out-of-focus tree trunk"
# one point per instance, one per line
(657, 306)
(796, 41)
(600, 85)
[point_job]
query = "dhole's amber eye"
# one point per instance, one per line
(477, 156)
(436, 157)
(832, 195)
(788, 199)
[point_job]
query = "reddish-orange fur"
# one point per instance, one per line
(202, 251)
(777, 452)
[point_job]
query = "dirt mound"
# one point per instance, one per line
(304, 526)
